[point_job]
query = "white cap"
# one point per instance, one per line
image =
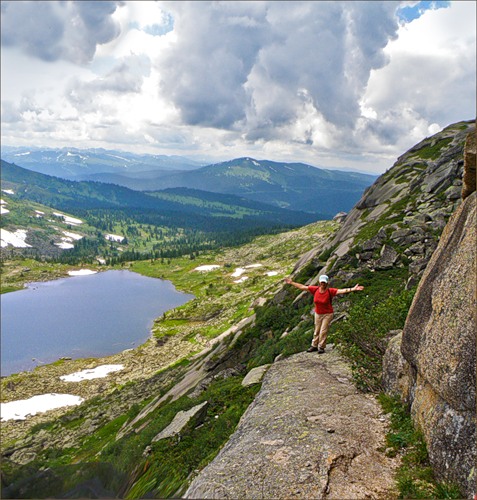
(323, 278)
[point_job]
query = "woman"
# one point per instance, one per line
(322, 297)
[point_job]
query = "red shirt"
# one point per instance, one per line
(322, 300)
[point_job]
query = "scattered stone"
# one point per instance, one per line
(255, 375)
(418, 266)
(388, 258)
(453, 193)
(340, 217)
(195, 414)
(147, 451)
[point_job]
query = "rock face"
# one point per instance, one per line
(399, 218)
(308, 434)
(469, 179)
(437, 375)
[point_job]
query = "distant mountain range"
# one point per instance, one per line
(77, 164)
(179, 207)
(294, 186)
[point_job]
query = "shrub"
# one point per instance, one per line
(415, 477)
(361, 337)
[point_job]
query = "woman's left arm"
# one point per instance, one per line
(355, 288)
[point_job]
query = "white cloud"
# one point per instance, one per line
(55, 30)
(428, 83)
(334, 84)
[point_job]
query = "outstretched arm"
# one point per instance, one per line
(355, 288)
(296, 285)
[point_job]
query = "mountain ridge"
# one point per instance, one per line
(71, 162)
(296, 186)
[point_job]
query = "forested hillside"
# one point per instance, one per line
(161, 224)
(295, 186)
(113, 444)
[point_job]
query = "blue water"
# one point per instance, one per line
(81, 316)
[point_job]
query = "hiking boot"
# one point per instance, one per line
(312, 349)
(321, 351)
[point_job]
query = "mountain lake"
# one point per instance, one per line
(92, 315)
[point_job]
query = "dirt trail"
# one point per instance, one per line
(308, 434)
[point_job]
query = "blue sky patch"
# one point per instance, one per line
(410, 12)
(156, 29)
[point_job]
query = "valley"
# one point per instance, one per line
(245, 317)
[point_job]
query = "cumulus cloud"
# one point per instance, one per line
(329, 83)
(126, 76)
(256, 65)
(205, 70)
(430, 81)
(52, 30)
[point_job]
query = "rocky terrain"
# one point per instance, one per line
(295, 428)
(436, 377)
(308, 434)
(431, 364)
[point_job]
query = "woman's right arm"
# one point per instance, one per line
(296, 285)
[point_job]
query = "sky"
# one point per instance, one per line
(335, 84)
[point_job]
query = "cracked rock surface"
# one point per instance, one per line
(308, 434)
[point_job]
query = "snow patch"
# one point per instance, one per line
(67, 219)
(238, 272)
(252, 266)
(120, 157)
(98, 372)
(242, 279)
(64, 245)
(115, 237)
(21, 409)
(206, 268)
(82, 272)
(16, 239)
(8, 191)
(272, 273)
(3, 210)
(74, 236)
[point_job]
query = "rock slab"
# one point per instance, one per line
(255, 375)
(196, 414)
(308, 434)
(439, 344)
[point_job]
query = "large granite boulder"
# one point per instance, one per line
(438, 345)
(439, 335)
(469, 182)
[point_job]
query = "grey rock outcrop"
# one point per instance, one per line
(255, 375)
(397, 372)
(437, 373)
(182, 419)
(308, 434)
(408, 206)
